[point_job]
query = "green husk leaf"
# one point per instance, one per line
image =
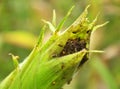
(54, 18)
(52, 28)
(99, 26)
(41, 37)
(15, 60)
(64, 19)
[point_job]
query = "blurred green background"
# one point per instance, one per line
(20, 25)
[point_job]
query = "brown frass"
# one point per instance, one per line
(74, 45)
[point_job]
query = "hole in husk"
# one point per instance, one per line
(72, 46)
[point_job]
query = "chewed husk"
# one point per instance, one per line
(52, 64)
(56, 40)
